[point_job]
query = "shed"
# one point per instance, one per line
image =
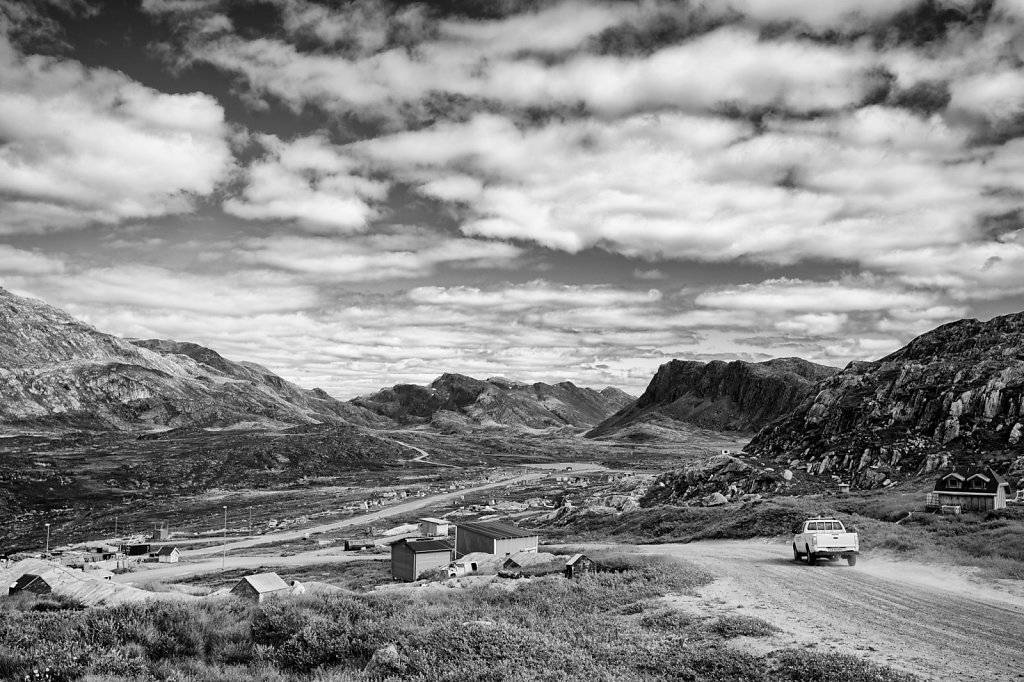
(411, 558)
(972, 488)
(355, 545)
(526, 559)
(167, 554)
(502, 539)
(433, 528)
(36, 583)
(136, 549)
(259, 586)
(579, 564)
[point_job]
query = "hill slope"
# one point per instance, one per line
(452, 400)
(953, 394)
(58, 373)
(734, 396)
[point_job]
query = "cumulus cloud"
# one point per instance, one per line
(310, 182)
(85, 145)
(22, 262)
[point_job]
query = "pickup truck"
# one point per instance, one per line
(821, 538)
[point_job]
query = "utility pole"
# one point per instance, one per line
(47, 540)
(115, 525)
(250, 520)
(224, 556)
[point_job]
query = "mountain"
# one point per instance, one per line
(954, 394)
(454, 401)
(59, 374)
(733, 396)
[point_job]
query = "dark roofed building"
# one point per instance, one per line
(502, 539)
(972, 488)
(412, 558)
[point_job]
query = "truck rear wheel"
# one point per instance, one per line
(851, 560)
(810, 556)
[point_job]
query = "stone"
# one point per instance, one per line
(787, 475)
(386, 660)
(714, 500)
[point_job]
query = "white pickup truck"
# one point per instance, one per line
(825, 539)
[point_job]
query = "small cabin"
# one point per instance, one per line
(972, 488)
(433, 528)
(412, 558)
(578, 565)
(260, 586)
(167, 554)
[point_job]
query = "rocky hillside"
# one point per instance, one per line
(954, 394)
(733, 396)
(454, 401)
(59, 374)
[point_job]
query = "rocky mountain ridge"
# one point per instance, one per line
(59, 374)
(952, 395)
(734, 396)
(454, 401)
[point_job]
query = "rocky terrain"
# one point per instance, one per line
(58, 374)
(733, 396)
(454, 402)
(952, 395)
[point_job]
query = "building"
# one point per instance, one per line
(260, 586)
(136, 549)
(168, 554)
(972, 488)
(579, 564)
(36, 583)
(433, 528)
(411, 558)
(502, 539)
(521, 560)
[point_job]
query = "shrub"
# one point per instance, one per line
(742, 626)
(812, 666)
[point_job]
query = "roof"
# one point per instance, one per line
(574, 558)
(264, 582)
(524, 559)
(421, 546)
(88, 588)
(440, 522)
(987, 480)
(167, 550)
(497, 531)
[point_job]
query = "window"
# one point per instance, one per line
(953, 483)
(977, 484)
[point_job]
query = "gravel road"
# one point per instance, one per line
(942, 623)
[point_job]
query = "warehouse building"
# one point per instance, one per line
(502, 539)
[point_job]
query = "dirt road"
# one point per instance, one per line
(940, 623)
(171, 572)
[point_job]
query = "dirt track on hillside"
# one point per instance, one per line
(938, 622)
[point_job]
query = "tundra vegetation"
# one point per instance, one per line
(604, 626)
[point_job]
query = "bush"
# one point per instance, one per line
(811, 666)
(742, 626)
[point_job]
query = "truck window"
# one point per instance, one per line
(814, 525)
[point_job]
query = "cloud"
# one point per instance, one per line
(310, 182)
(532, 295)
(20, 261)
(840, 15)
(789, 295)
(87, 145)
(409, 253)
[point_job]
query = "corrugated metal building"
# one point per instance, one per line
(260, 586)
(412, 558)
(502, 539)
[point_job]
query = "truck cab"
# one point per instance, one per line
(825, 538)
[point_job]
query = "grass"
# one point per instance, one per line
(599, 627)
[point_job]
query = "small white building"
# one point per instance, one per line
(168, 554)
(433, 528)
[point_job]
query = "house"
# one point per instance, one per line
(136, 550)
(493, 537)
(260, 586)
(972, 488)
(411, 558)
(578, 565)
(36, 583)
(433, 528)
(474, 562)
(167, 554)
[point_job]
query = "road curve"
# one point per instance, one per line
(937, 622)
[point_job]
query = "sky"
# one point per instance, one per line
(359, 194)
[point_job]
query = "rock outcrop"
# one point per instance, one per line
(734, 396)
(455, 401)
(59, 374)
(712, 482)
(954, 394)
